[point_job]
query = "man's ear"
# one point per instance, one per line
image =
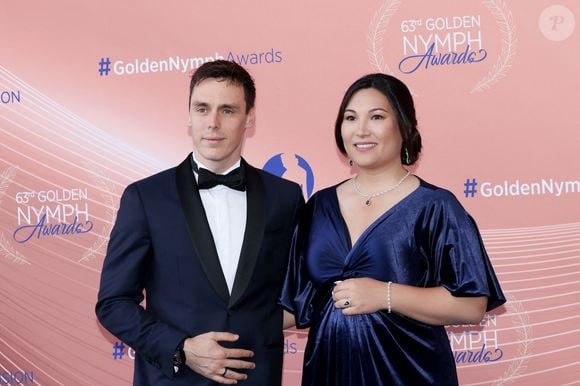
(188, 126)
(251, 119)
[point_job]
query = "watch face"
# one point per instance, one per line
(178, 359)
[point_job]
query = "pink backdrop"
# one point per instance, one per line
(93, 95)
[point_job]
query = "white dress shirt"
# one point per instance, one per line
(226, 212)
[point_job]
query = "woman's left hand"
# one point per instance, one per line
(360, 296)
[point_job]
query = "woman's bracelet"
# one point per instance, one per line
(389, 296)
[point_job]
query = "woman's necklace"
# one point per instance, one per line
(370, 197)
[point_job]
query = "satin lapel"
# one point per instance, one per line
(255, 224)
(198, 227)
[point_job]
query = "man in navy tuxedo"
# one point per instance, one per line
(207, 244)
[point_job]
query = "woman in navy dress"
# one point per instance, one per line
(381, 262)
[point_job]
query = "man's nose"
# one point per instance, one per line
(213, 120)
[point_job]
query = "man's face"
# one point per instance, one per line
(218, 121)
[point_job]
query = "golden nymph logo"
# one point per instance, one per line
(408, 43)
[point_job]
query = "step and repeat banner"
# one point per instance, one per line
(93, 96)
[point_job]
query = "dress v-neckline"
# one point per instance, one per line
(351, 247)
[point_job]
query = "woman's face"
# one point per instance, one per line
(370, 131)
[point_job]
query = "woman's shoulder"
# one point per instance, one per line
(328, 193)
(434, 194)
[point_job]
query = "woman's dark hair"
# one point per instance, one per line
(227, 71)
(401, 101)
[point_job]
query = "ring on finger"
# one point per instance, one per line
(346, 302)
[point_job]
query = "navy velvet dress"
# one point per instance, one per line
(425, 240)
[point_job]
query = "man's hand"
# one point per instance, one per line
(207, 357)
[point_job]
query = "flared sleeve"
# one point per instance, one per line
(459, 260)
(298, 290)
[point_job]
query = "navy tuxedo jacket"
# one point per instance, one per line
(162, 245)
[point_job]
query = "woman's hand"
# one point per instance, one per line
(360, 296)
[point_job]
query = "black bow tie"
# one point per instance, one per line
(206, 179)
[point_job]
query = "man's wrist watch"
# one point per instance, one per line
(178, 357)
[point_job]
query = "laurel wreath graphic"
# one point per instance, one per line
(99, 247)
(504, 20)
(6, 178)
(377, 32)
(6, 248)
(522, 321)
(498, 9)
(8, 251)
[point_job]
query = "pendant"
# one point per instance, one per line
(368, 202)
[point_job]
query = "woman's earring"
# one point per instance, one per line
(350, 162)
(407, 159)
